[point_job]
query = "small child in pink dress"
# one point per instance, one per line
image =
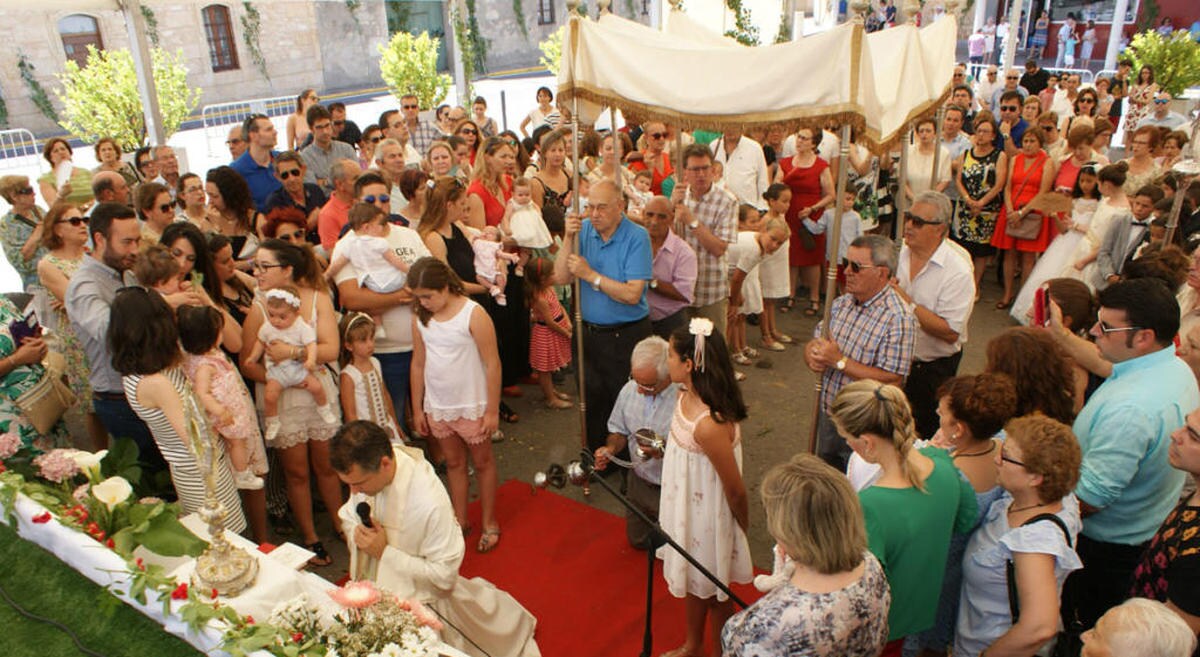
(223, 393)
(490, 257)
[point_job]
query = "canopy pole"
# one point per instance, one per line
(831, 268)
(143, 64)
(1176, 209)
(901, 200)
(579, 348)
(937, 144)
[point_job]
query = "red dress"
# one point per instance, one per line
(1024, 185)
(805, 183)
(493, 208)
(549, 350)
(658, 175)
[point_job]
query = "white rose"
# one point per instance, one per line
(112, 491)
(88, 462)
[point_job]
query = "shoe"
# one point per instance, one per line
(785, 339)
(558, 404)
(750, 352)
(497, 436)
(273, 427)
(246, 480)
(501, 300)
(512, 391)
(488, 540)
(741, 359)
(519, 271)
(753, 319)
(326, 414)
(773, 346)
(322, 557)
(739, 376)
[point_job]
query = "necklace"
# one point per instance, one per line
(1026, 508)
(991, 448)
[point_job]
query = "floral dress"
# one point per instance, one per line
(68, 344)
(978, 176)
(18, 382)
(1140, 100)
(14, 232)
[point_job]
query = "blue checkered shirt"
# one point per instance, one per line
(878, 332)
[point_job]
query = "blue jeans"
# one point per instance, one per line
(395, 368)
(120, 421)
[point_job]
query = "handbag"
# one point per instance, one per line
(1068, 642)
(1029, 226)
(45, 403)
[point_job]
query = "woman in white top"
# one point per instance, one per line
(543, 114)
(920, 176)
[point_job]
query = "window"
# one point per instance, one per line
(545, 12)
(78, 32)
(219, 31)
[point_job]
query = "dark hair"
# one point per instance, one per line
(362, 443)
(383, 118)
(817, 134)
(179, 188)
(353, 327)
(1114, 173)
(137, 158)
(1035, 132)
(300, 99)
(316, 113)
(715, 384)
(538, 274)
(362, 214)
(410, 180)
(235, 194)
(1152, 134)
(49, 146)
(1153, 192)
(155, 266)
(142, 336)
(305, 268)
(429, 273)
(1168, 264)
(106, 140)
(1013, 95)
(522, 152)
(1076, 301)
(480, 100)
(548, 93)
(966, 88)
(204, 260)
(147, 193)
(535, 139)
(1077, 190)
(101, 184)
(374, 127)
(337, 105)
(250, 125)
(199, 328)
(104, 214)
(290, 156)
(54, 215)
(1039, 367)
(983, 402)
(696, 150)
(368, 178)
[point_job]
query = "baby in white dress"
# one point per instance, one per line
(523, 222)
(380, 268)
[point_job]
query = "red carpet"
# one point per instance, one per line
(572, 568)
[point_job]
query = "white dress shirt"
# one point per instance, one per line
(945, 286)
(745, 170)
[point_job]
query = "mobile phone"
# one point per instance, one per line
(1041, 316)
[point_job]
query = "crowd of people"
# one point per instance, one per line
(401, 279)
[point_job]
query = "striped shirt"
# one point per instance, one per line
(717, 209)
(878, 332)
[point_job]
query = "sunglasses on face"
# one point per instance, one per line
(1159, 101)
(374, 140)
(408, 107)
(284, 175)
(165, 207)
(371, 198)
(74, 221)
(467, 132)
(855, 267)
(656, 135)
(228, 142)
(339, 123)
(177, 253)
(26, 190)
(1009, 108)
(920, 221)
(294, 236)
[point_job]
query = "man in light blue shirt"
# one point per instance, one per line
(1126, 486)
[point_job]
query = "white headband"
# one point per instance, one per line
(701, 328)
(285, 296)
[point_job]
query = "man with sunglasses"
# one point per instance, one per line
(936, 280)
(1012, 126)
(421, 133)
(324, 150)
(344, 130)
(1010, 85)
(235, 141)
(1163, 117)
(1035, 78)
(1126, 484)
(871, 336)
(296, 192)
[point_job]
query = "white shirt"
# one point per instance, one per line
(397, 320)
(827, 150)
(1062, 105)
(946, 287)
(745, 170)
(984, 90)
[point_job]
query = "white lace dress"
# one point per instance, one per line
(1056, 258)
(693, 511)
(1101, 220)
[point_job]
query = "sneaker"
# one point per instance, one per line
(272, 429)
(246, 480)
(326, 414)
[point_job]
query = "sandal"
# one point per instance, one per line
(813, 309)
(488, 540)
(467, 529)
(512, 391)
(1004, 305)
(508, 414)
(739, 376)
(558, 404)
(321, 558)
(786, 305)
(750, 352)
(562, 395)
(773, 346)
(740, 359)
(784, 338)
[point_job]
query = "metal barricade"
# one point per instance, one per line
(19, 149)
(1085, 76)
(220, 117)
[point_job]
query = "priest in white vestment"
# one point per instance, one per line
(415, 545)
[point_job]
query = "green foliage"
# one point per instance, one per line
(466, 50)
(519, 14)
(479, 45)
(102, 99)
(551, 48)
(1148, 16)
(36, 92)
(251, 31)
(744, 30)
(151, 25)
(409, 66)
(1175, 59)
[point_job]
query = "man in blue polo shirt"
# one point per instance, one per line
(255, 164)
(1126, 484)
(1012, 127)
(613, 265)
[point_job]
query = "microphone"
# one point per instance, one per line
(364, 514)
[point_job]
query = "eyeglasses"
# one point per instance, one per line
(371, 198)
(408, 107)
(1106, 329)
(1160, 101)
(284, 175)
(264, 266)
(1008, 459)
(1009, 108)
(855, 267)
(655, 135)
(1085, 99)
(1141, 142)
(468, 132)
(1012, 77)
(706, 167)
(228, 142)
(165, 207)
(920, 221)
(74, 221)
(26, 190)
(339, 123)
(178, 253)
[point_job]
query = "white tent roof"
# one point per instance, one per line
(879, 81)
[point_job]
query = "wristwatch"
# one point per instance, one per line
(841, 364)
(654, 284)
(694, 225)
(596, 283)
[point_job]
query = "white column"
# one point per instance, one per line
(139, 44)
(455, 53)
(1012, 40)
(981, 11)
(1114, 35)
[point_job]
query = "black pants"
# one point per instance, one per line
(606, 369)
(644, 495)
(831, 447)
(921, 390)
(1102, 584)
(664, 327)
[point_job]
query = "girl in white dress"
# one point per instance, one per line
(363, 393)
(773, 272)
(1058, 254)
(704, 506)
(1082, 263)
(456, 386)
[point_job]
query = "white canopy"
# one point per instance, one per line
(877, 81)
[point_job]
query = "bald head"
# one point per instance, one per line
(659, 205)
(110, 187)
(344, 173)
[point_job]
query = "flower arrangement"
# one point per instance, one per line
(371, 623)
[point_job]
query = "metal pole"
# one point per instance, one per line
(937, 145)
(901, 174)
(831, 269)
(504, 110)
(143, 64)
(620, 179)
(579, 348)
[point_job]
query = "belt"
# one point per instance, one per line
(611, 328)
(109, 396)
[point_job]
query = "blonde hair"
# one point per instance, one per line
(870, 407)
(814, 514)
(777, 224)
(155, 266)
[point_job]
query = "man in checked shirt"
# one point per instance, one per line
(871, 337)
(706, 218)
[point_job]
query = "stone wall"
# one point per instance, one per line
(349, 47)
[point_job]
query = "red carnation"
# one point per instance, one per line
(298, 637)
(180, 592)
(42, 518)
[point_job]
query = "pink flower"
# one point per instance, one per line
(80, 494)
(56, 466)
(421, 613)
(356, 595)
(10, 443)
(42, 518)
